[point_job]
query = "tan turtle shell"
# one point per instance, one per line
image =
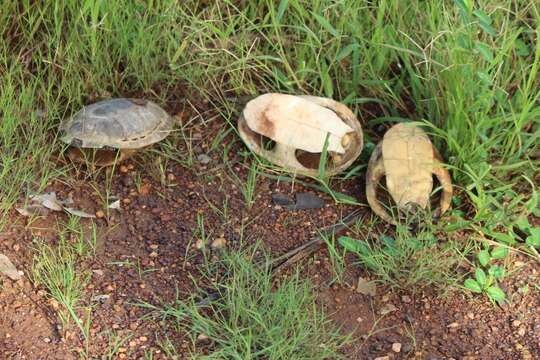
(297, 127)
(117, 123)
(408, 159)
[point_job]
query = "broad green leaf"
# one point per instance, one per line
(325, 24)
(522, 223)
(484, 50)
(472, 285)
(483, 257)
(484, 77)
(346, 51)
(482, 16)
(534, 238)
(485, 22)
(497, 272)
(505, 238)
(500, 252)
(480, 276)
(354, 245)
(495, 293)
(521, 48)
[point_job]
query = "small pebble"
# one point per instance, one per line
(219, 243)
(100, 214)
(199, 244)
(396, 347)
(123, 169)
(202, 337)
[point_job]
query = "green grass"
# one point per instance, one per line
(468, 70)
(411, 260)
(57, 269)
(428, 60)
(253, 318)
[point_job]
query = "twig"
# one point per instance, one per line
(298, 253)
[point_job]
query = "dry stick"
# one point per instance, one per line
(300, 252)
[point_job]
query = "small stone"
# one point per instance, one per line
(153, 254)
(123, 169)
(98, 272)
(396, 347)
(47, 340)
(202, 337)
(143, 339)
(516, 323)
(54, 304)
(171, 177)
(366, 287)
(219, 243)
(406, 299)
(145, 189)
(100, 214)
(453, 325)
(470, 315)
(199, 244)
(359, 319)
(132, 343)
(387, 309)
(522, 331)
(204, 159)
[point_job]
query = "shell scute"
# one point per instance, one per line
(117, 123)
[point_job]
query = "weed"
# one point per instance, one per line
(247, 187)
(487, 283)
(56, 268)
(408, 260)
(253, 319)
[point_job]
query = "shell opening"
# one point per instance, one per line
(262, 141)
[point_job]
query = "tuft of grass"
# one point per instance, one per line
(254, 318)
(57, 269)
(409, 260)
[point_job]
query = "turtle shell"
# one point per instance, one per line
(408, 162)
(117, 123)
(291, 131)
(295, 121)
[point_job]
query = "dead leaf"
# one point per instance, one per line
(79, 213)
(47, 200)
(32, 210)
(7, 268)
(366, 287)
(114, 205)
(387, 309)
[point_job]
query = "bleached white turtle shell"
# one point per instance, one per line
(300, 126)
(117, 123)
